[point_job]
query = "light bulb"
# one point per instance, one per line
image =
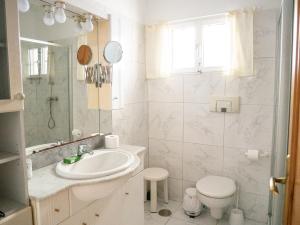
(23, 5)
(78, 27)
(88, 25)
(60, 15)
(48, 18)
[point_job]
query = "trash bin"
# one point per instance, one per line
(191, 203)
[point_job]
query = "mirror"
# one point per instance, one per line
(60, 106)
(84, 55)
(113, 52)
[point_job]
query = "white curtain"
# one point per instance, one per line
(158, 51)
(241, 24)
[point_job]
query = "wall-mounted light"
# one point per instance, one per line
(48, 18)
(60, 15)
(88, 24)
(78, 20)
(23, 5)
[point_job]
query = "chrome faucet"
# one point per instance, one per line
(84, 149)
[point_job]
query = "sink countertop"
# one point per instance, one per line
(45, 182)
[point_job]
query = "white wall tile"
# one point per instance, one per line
(258, 89)
(255, 207)
(166, 121)
(250, 129)
(201, 160)
(199, 88)
(251, 176)
(166, 90)
(167, 155)
(202, 126)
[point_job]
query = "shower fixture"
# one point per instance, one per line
(51, 100)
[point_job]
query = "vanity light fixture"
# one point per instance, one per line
(48, 18)
(88, 24)
(60, 15)
(23, 5)
(79, 21)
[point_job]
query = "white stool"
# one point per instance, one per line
(154, 175)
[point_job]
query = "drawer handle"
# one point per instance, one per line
(126, 193)
(57, 210)
(84, 223)
(97, 215)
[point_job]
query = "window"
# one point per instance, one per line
(202, 45)
(38, 61)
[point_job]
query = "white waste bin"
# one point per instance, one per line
(191, 203)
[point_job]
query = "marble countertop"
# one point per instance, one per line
(45, 182)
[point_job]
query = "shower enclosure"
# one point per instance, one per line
(281, 111)
(46, 82)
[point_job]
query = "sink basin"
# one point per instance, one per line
(101, 163)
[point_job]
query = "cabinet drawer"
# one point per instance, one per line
(60, 207)
(53, 210)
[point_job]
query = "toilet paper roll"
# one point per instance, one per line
(252, 154)
(112, 141)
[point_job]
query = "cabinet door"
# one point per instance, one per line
(11, 94)
(133, 205)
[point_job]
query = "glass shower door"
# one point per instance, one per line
(281, 110)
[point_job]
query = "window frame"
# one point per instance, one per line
(41, 57)
(199, 23)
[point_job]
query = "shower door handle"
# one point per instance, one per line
(273, 184)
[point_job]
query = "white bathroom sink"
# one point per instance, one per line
(101, 163)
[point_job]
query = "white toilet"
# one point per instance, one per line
(217, 193)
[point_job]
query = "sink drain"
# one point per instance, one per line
(165, 212)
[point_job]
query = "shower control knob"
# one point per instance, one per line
(19, 96)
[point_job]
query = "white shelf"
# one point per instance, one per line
(9, 206)
(8, 157)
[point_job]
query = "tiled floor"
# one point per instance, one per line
(179, 218)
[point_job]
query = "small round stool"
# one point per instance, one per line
(154, 175)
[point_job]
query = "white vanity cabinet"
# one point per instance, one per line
(11, 91)
(124, 207)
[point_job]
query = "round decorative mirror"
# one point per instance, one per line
(113, 52)
(84, 55)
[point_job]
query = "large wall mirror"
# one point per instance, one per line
(60, 105)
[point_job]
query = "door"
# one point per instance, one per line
(281, 112)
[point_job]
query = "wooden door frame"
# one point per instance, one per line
(292, 197)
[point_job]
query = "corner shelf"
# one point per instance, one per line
(9, 206)
(8, 157)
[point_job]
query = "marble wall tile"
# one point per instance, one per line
(166, 90)
(202, 126)
(174, 189)
(258, 89)
(166, 121)
(199, 88)
(255, 207)
(264, 33)
(251, 176)
(201, 160)
(131, 124)
(166, 154)
(250, 129)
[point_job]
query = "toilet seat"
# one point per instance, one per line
(216, 187)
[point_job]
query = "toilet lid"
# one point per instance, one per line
(216, 186)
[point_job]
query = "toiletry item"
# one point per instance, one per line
(112, 141)
(29, 168)
(72, 159)
(252, 154)
(236, 214)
